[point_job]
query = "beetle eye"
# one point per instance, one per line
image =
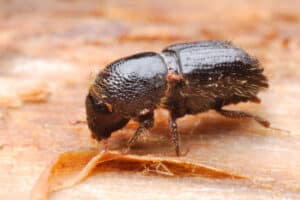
(99, 105)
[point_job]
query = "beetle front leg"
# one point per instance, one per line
(146, 122)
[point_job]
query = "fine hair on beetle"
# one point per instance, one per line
(185, 79)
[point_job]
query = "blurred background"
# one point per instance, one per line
(50, 50)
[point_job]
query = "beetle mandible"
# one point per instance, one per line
(185, 78)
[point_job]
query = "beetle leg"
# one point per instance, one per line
(175, 135)
(240, 114)
(146, 122)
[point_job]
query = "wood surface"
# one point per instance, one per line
(50, 50)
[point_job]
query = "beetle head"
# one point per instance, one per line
(100, 118)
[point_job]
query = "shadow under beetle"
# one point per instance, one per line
(187, 78)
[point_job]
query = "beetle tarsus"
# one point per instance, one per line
(135, 136)
(146, 122)
(239, 114)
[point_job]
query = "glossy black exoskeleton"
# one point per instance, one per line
(186, 78)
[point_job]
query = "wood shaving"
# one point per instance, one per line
(13, 94)
(34, 92)
(73, 167)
